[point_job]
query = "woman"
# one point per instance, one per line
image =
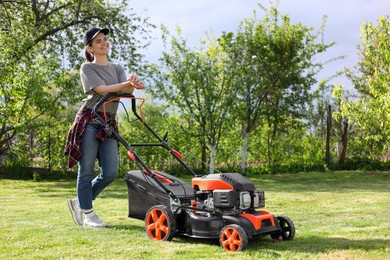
(87, 140)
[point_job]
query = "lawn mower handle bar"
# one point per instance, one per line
(109, 129)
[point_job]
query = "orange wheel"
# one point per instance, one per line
(159, 223)
(233, 238)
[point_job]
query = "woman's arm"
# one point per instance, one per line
(104, 89)
(124, 87)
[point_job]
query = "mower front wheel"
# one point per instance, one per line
(233, 238)
(160, 223)
(287, 229)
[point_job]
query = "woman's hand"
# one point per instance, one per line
(134, 80)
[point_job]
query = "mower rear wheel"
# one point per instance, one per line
(233, 238)
(287, 229)
(160, 223)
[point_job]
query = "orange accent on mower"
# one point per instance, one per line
(204, 183)
(131, 155)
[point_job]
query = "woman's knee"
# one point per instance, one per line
(109, 174)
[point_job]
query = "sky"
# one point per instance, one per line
(196, 17)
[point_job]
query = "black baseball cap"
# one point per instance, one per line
(91, 33)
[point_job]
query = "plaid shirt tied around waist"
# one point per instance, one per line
(76, 131)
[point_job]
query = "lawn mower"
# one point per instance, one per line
(223, 206)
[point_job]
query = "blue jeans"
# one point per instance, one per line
(89, 186)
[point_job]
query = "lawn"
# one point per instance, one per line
(338, 215)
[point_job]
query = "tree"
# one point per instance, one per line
(41, 43)
(274, 68)
(371, 111)
(199, 85)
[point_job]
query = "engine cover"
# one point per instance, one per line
(224, 181)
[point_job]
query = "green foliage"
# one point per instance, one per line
(243, 100)
(40, 89)
(291, 71)
(371, 111)
(162, 121)
(255, 78)
(362, 163)
(37, 177)
(199, 85)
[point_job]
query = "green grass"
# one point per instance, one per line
(341, 215)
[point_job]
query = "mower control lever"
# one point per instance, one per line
(165, 137)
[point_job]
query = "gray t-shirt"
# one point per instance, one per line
(93, 75)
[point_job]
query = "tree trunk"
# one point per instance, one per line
(269, 144)
(49, 148)
(31, 146)
(344, 141)
(213, 154)
(328, 130)
(204, 153)
(244, 152)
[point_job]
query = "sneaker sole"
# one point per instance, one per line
(73, 213)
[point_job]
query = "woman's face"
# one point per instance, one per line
(100, 45)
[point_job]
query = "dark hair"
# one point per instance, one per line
(88, 55)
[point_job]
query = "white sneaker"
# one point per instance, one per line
(75, 210)
(92, 220)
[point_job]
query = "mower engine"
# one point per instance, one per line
(233, 201)
(229, 193)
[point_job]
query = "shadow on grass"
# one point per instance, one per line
(314, 244)
(309, 245)
(197, 241)
(133, 228)
(114, 194)
(329, 181)
(337, 181)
